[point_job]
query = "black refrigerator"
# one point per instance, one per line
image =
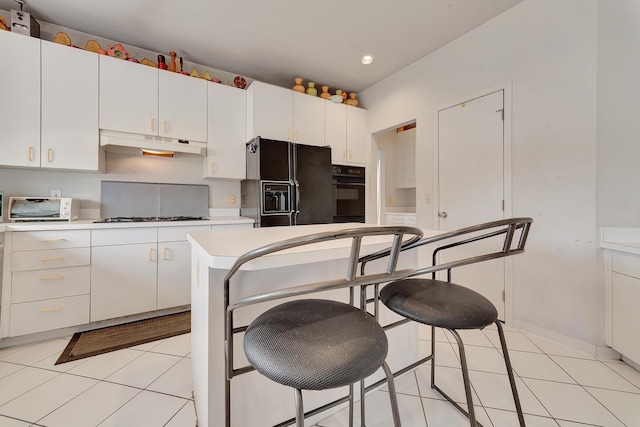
(287, 184)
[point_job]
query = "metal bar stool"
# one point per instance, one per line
(316, 344)
(450, 306)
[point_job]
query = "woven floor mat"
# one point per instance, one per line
(103, 340)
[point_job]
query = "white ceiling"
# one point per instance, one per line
(277, 40)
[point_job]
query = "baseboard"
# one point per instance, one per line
(553, 336)
(607, 353)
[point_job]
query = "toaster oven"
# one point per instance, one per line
(43, 209)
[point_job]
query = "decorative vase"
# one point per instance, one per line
(325, 92)
(352, 100)
(311, 90)
(298, 86)
(337, 98)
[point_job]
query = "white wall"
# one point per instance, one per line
(120, 167)
(618, 113)
(547, 48)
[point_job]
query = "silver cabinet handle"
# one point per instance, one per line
(442, 214)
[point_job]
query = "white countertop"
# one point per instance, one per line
(221, 248)
(621, 239)
(90, 224)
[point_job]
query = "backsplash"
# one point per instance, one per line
(120, 167)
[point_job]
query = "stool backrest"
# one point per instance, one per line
(509, 228)
(400, 235)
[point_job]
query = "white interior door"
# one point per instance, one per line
(471, 185)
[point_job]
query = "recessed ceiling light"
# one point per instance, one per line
(366, 60)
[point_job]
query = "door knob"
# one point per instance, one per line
(442, 214)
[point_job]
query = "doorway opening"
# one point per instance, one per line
(396, 180)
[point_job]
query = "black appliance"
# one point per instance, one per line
(348, 194)
(287, 183)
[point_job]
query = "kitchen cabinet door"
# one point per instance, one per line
(226, 141)
(174, 274)
(128, 96)
(174, 265)
(335, 116)
(269, 112)
(182, 106)
(20, 105)
(405, 159)
(123, 280)
(356, 136)
(308, 119)
(70, 109)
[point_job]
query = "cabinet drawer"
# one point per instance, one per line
(124, 236)
(176, 234)
(52, 283)
(409, 220)
(626, 264)
(37, 316)
(394, 219)
(55, 258)
(38, 240)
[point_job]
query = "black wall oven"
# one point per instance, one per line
(348, 194)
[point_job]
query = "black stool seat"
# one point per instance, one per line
(440, 304)
(315, 344)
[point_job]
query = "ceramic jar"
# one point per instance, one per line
(311, 90)
(298, 86)
(325, 92)
(352, 100)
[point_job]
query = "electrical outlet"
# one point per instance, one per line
(232, 199)
(56, 193)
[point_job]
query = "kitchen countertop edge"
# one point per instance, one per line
(90, 224)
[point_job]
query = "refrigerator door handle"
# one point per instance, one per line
(297, 197)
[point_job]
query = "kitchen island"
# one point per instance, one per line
(255, 400)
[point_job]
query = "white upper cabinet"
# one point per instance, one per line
(356, 135)
(226, 140)
(182, 106)
(335, 116)
(269, 112)
(308, 119)
(345, 132)
(128, 96)
(405, 159)
(145, 100)
(20, 106)
(278, 113)
(70, 109)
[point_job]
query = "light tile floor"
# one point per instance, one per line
(150, 385)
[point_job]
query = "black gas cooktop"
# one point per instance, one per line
(151, 218)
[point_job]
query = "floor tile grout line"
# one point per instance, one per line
(177, 412)
(587, 391)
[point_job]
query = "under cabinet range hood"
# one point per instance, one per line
(120, 142)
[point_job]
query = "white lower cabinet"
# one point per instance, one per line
(59, 279)
(400, 219)
(123, 272)
(123, 280)
(174, 266)
(623, 315)
(50, 273)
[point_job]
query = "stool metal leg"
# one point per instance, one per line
(512, 379)
(465, 378)
(299, 408)
(392, 395)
